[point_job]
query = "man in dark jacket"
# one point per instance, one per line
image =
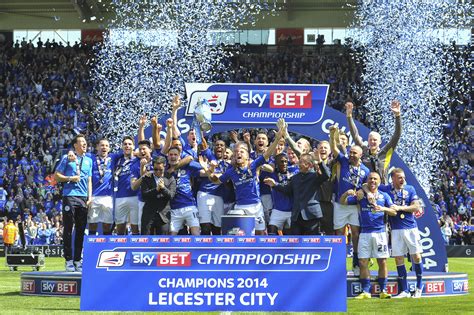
(157, 189)
(303, 187)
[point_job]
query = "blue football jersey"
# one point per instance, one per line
(245, 181)
(371, 221)
(349, 177)
(81, 166)
(403, 197)
(184, 192)
(101, 176)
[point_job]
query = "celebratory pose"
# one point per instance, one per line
(102, 203)
(405, 234)
(375, 158)
(77, 196)
(351, 174)
(210, 197)
(244, 176)
(373, 242)
(261, 146)
(183, 205)
(282, 204)
(126, 199)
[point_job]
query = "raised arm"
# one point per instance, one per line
(292, 143)
(174, 115)
(352, 127)
(282, 127)
(155, 133)
(141, 128)
(203, 146)
(334, 140)
(246, 139)
(169, 136)
(395, 107)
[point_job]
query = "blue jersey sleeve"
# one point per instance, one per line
(388, 200)
(385, 188)
(62, 165)
(352, 200)
(227, 175)
(341, 157)
(136, 170)
(208, 155)
(412, 194)
(256, 163)
(194, 168)
(114, 157)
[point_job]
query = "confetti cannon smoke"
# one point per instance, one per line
(154, 47)
(403, 58)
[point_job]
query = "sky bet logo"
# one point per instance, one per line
(460, 286)
(291, 99)
(162, 259)
(58, 287)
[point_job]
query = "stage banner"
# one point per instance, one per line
(225, 273)
(260, 103)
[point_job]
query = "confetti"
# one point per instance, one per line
(154, 47)
(398, 45)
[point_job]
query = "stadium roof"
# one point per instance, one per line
(68, 14)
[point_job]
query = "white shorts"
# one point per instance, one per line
(101, 210)
(228, 206)
(267, 202)
(280, 219)
(126, 208)
(141, 204)
(406, 241)
(210, 207)
(188, 215)
(373, 245)
(345, 214)
(255, 210)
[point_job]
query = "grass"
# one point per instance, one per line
(12, 303)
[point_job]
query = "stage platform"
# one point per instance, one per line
(435, 284)
(68, 284)
(51, 283)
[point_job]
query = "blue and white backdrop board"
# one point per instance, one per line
(222, 273)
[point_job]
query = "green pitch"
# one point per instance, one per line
(12, 303)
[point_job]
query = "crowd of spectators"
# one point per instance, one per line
(453, 193)
(45, 98)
